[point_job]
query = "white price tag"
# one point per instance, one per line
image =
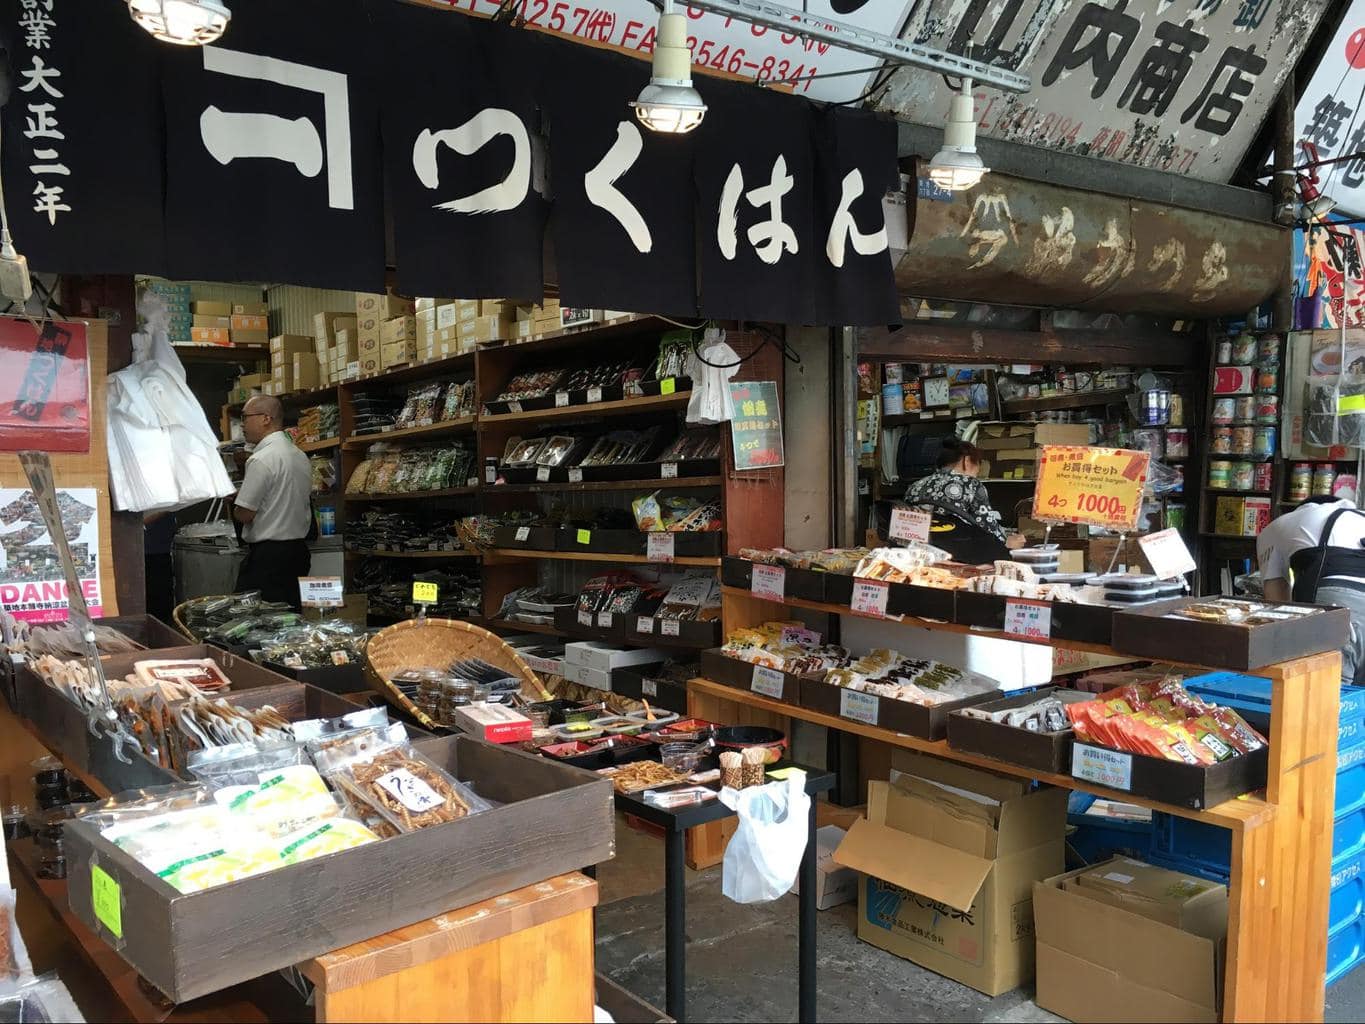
(649, 687)
(910, 524)
(1028, 618)
(670, 627)
(561, 399)
(669, 471)
(473, 481)
(644, 624)
(594, 394)
(767, 681)
(490, 474)
(543, 474)
(410, 791)
(523, 534)
(604, 620)
(321, 591)
(1111, 768)
(869, 597)
(514, 407)
(1166, 553)
(769, 581)
(584, 618)
(861, 707)
(575, 476)
(659, 547)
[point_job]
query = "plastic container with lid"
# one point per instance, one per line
(1169, 588)
(1075, 579)
(618, 725)
(1324, 476)
(1035, 555)
(661, 717)
(577, 731)
(1300, 481)
(1220, 475)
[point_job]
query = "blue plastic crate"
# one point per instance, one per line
(1348, 834)
(1189, 867)
(1097, 839)
(1344, 948)
(1198, 848)
(1347, 899)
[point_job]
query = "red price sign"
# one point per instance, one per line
(1095, 486)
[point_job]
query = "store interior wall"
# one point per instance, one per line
(809, 435)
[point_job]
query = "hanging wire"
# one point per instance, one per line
(770, 338)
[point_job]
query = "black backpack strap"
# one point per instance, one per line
(1321, 549)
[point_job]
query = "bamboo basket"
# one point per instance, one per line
(177, 616)
(436, 643)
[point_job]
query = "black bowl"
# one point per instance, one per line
(737, 737)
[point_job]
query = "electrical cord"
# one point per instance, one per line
(6, 242)
(788, 353)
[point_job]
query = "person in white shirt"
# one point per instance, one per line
(273, 505)
(1316, 555)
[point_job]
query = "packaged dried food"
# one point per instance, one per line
(556, 450)
(525, 453)
(201, 673)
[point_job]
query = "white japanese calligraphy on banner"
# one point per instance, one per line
(1172, 85)
(42, 127)
(1329, 117)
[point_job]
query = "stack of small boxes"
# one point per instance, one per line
(373, 311)
(176, 298)
(533, 320)
(335, 344)
(225, 323)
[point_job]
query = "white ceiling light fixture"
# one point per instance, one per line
(669, 103)
(183, 22)
(957, 167)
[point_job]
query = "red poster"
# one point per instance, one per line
(44, 386)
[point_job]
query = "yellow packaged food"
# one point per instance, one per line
(322, 838)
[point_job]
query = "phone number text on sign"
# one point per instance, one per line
(1095, 486)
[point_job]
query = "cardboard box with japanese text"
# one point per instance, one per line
(397, 353)
(384, 306)
(1154, 954)
(306, 375)
(250, 309)
(404, 328)
(210, 336)
(484, 329)
(949, 856)
(250, 337)
(834, 885)
(204, 307)
(326, 325)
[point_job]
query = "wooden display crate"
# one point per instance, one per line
(1043, 751)
(918, 720)
(1088, 622)
(743, 676)
(1151, 633)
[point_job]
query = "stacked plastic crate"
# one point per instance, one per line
(1201, 849)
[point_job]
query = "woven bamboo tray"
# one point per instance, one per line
(178, 618)
(435, 643)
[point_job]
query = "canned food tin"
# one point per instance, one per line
(1267, 379)
(1268, 409)
(1224, 410)
(1268, 348)
(1243, 475)
(1085, 380)
(1178, 484)
(1324, 476)
(1244, 349)
(1264, 441)
(1243, 440)
(1300, 481)
(1220, 475)
(1177, 411)
(1224, 354)
(1264, 477)
(1245, 409)
(1177, 442)
(1222, 441)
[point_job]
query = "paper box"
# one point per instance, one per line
(223, 322)
(1233, 380)
(427, 302)
(210, 335)
(404, 328)
(949, 856)
(448, 315)
(250, 337)
(250, 309)
(1159, 894)
(1241, 516)
(399, 353)
(369, 352)
(578, 317)
(288, 344)
(305, 371)
(484, 328)
(326, 325)
(202, 308)
(597, 678)
(495, 723)
(250, 322)
(347, 344)
(834, 885)
(993, 437)
(1061, 433)
(1102, 962)
(384, 306)
(604, 656)
(527, 329)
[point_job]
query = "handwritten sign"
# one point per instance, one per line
(424, 593)
(910, 524)
(1028, 618)
(767, 681)
(769, 581)
(321, 592)
(659, 547)
(106, 900)
(1104, 767)
(1093, 486)
(861, 707)
(869, 597)
(756, 429)
(1167, 553)
(800, 637)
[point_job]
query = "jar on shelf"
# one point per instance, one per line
(1264, 477)
(1177, 443)
(1245, 409)
(1223, 353)
(1264, 441)
(1220, 475)
(1244, 349)
(1268, 410)
(1243, 440)
(1243, 476)
(1300, 481)
(1175, 515)
(1220, 442)
(1267, 379)
(1324, 476)
(1224, 411)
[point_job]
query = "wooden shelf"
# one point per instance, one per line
(1227, 536)
(587, 633)
(621, 327)
(312, 396)
(621, 407)
(370, 553)
(319, 446)
(416, 371)
(1070, 400)
(1215, 491)
(657, 483)
(897, 419)
(222, 353)
(1008, 480)
(449, 492)
(598, 556)
(465, 424)
(1240, 814)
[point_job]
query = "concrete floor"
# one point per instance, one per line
(741, 960)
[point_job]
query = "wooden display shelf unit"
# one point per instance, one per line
(223, 353)
(443, 428)
(325, 444)
(1068, 400)
(1281, 840)
(656, 484)
(597, 556)
(372, 553)
(592, 410)
(448, 492)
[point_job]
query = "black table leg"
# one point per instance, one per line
(675, 936)
(806, 966)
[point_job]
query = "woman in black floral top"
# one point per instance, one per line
(954, 488)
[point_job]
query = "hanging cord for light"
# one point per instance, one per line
(788, 353)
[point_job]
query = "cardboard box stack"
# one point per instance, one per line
(249, 323)
(949, 856)
(283, 350)
(1125, 939)
(332, 334)
(211, 323)
(177, 300)
(1011, 449)
(249, 384)
(533, 320)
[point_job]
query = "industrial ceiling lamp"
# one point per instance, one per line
(183, 22)
(669, 103)
(956, 166)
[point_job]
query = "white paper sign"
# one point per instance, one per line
(561, 399)
(670, 627)
(649, 687)
(1028, 618)
(769, 581)
(767, 681)
(910, 524)
(523, 533)
(410, 791)
(659, 547)
(869, 597)
(1167, 553)
(594, 394)
(644, 624)
(490, 474)
(604, 620)
(1111, 768)
(584, 618)
(514, 407)
(321, 591)
(575, 476)
(669, 471)
(861, 707)
(543, 474)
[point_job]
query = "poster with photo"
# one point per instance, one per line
(32, 583)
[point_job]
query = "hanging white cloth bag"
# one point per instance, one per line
(765, 852)
(711, 371)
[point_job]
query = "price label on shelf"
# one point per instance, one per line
(1029, 618)
(523, 534)
(910, 524)
(543, 474)
(321, 591)
(659, 547)
(575, 475)
(604, 620)
(1104, 767)
(1166, 553)
(561, 399)
(668, 385)
(583, 536)
(106, 899)
(669, 471)
(769, 581)
(649, 687)
(594, 394)
(584, 618)
(869, 597)
(424, 592)
(861, 707)
(670, 627)
(514, 407)
(767, 681)
(1091, 486)
(490, 474)
(472, 481)
(644, 624)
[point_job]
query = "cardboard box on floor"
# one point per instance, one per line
(834, 885)
(1101, 960)
(949, 856)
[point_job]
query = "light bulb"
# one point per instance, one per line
(669, 103)
(957, 166)
(183, 22)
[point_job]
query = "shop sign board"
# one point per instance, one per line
(44, 386)
(1091, 486)
(1172, 85)
(1031, 619)
(322, 592)
(756, 430)
(32, 582)
(1328, 114)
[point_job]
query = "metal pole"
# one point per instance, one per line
(807, 966)
(675, 932)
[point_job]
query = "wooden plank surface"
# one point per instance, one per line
(622, 406)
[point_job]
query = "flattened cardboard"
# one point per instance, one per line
(916, 864)
(1169, 897)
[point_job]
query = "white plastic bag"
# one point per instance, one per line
(710, 402)
(765, 852)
